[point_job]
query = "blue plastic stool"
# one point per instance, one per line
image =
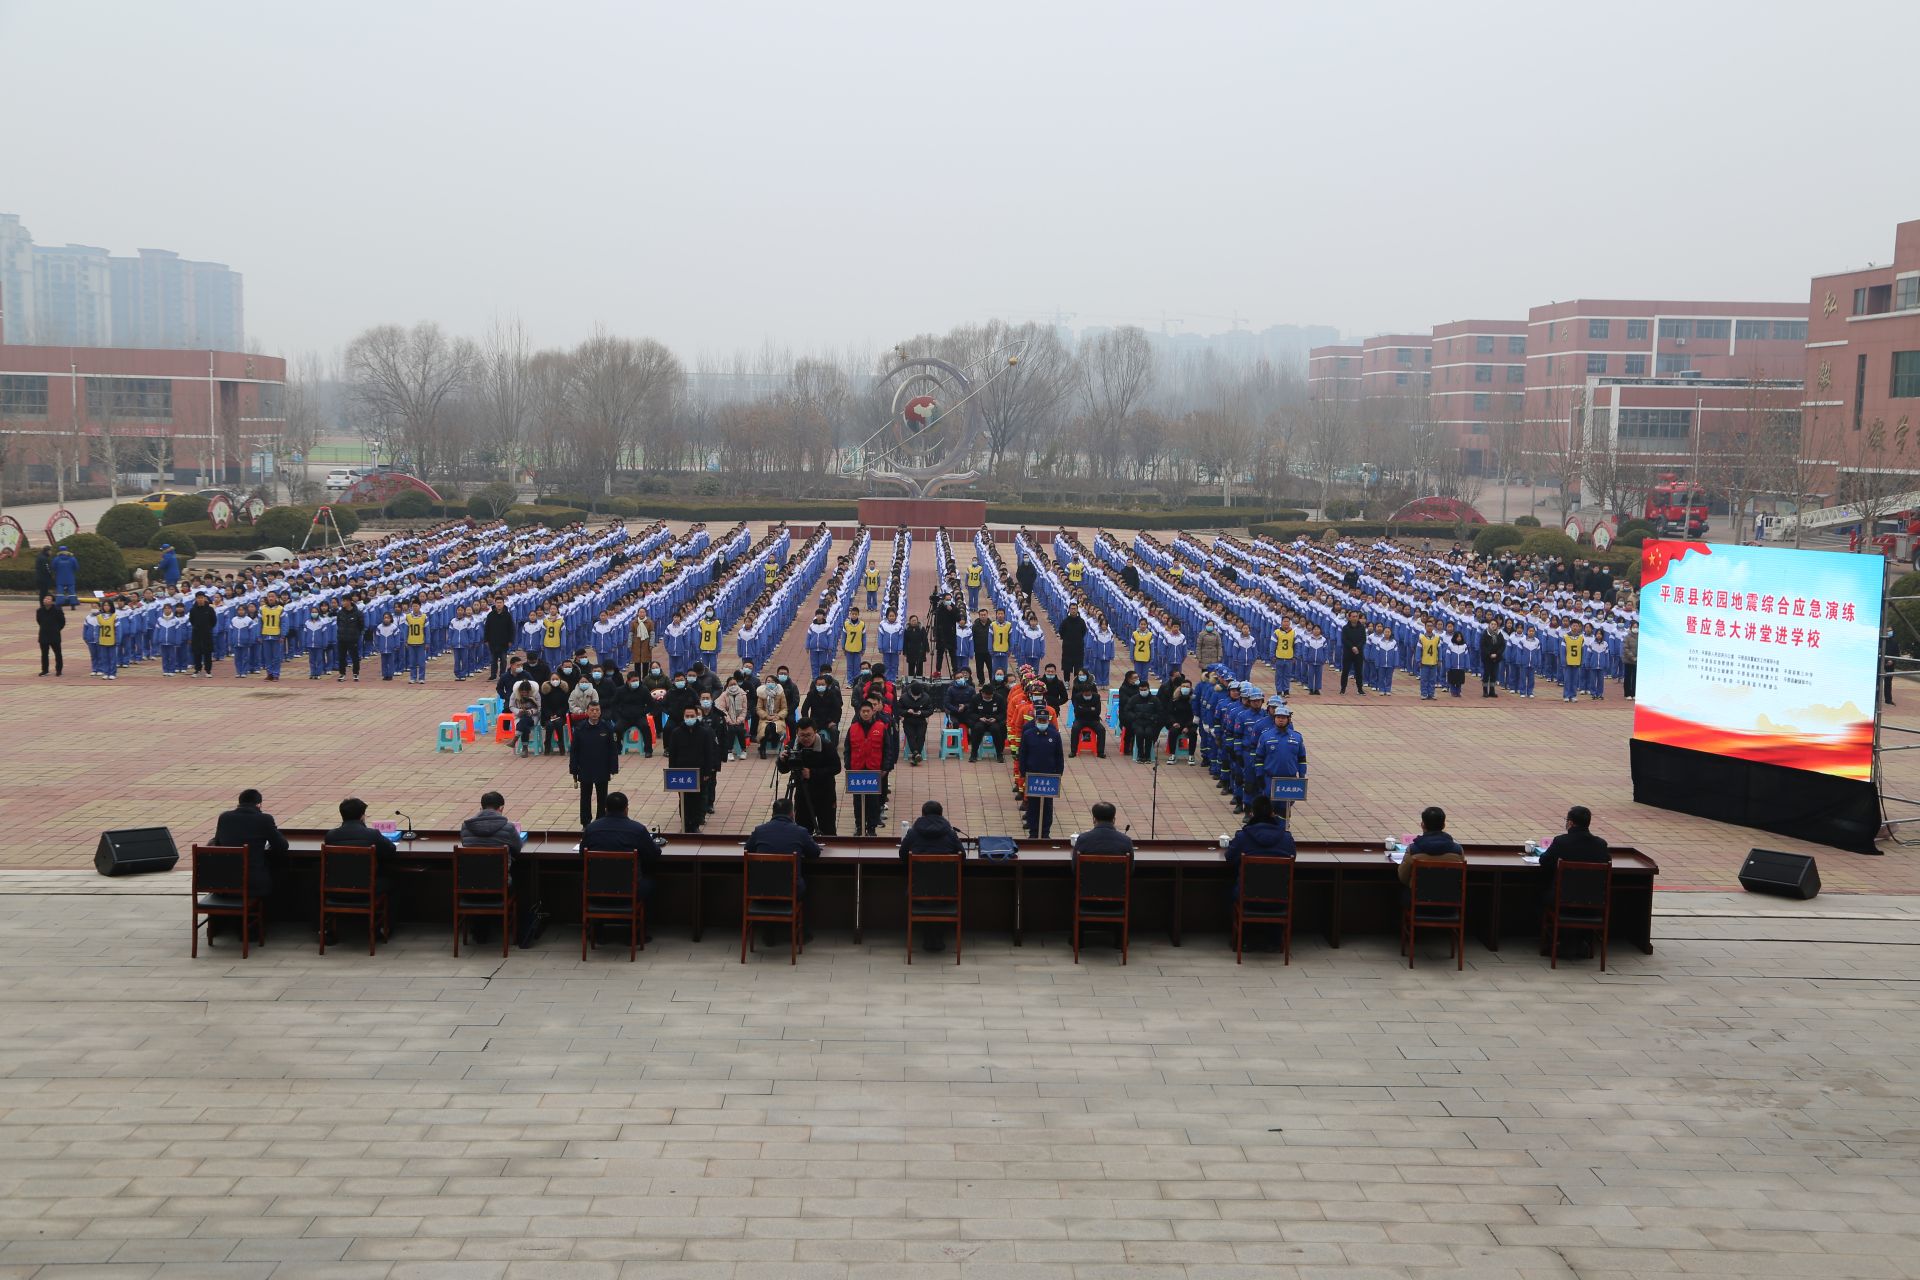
(953, 744)
(449, 736)
(1113, 708)
(481, 714)
(636, 740)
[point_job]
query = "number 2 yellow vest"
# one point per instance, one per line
(1143, 646)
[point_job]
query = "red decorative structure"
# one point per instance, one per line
(1437, 510)
(61, 525)
(920, 514)
(383, 487)
(13, 539)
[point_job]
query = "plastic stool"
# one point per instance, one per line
(1113, 708)
(1088, 739)
(449, 739)
(635, 740)
(465, 720)
(503, 729)
(953, 744)
(480, 713)
(493, 707)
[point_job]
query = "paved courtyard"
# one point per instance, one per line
(1741, 1102)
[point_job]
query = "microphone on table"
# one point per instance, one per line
(408, 833)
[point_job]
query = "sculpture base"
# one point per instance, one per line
(923, 515)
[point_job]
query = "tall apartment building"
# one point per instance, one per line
(1479, 389)
(1861, 405)
(79, 295)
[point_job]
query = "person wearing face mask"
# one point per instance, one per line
(1089, 712)
(812, 764)
(1208, 648)
(680, 695)
(915, 707)
(987, 718)
(553, 715)
(771, 702)
(691, 745)
(823, 705)
(593, 758)
(819, 642)
(525, 706)
(628, 703)
(1041, 751)
(913, 646)
(735, 706)
(871, 746)
(956, 703)
(585, 694)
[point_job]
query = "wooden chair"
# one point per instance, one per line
(1265, 899)
(610, 891)
(1582, 902)
(1437, 899)
(1102, 895)
(483, 889)
(770, 894)
(933, 895)
(222, 889)
(350, 886)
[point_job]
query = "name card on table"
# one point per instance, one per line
(863, 782)
(1286, 789)
(682, 779)
(1043, 785)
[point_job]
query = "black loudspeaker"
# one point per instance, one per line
(137, 849)
(1791, 875)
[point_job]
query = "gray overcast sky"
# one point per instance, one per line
(718, 175)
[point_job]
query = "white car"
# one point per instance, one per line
(339, 479)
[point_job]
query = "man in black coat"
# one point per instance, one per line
(982, 647)
(200, 620)
(1026, 575)
(914, 642)
(499, 632)
(987, 717)
(614, 830)
(593, 759)
(351, 635)
(1493, 648)
(354, 831)
(43, 572)
(1579, 844)
(812, 764)
(781, 834)
(915, 707)
(930, 833)
(1130, 574)
(246, 827)
(1073, 642)
(691, 744)
(946, 637)
(52, 620)
(1353, 648)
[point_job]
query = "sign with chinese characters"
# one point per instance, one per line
(1043, 785)
(681, 779)
(863, 782)
(1286, 790)
(1768, 654)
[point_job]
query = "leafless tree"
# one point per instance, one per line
(1017, 404)
(622, 393)
(403, 380)
(1221, 443)
(504, 387)
(1116, 374)
(1327, 437)
(1877, 473)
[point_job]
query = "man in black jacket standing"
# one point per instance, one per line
(1026, 575)
(52, 620)
(499, 632)
(691, 744)
(1073, 642)
(982, 648)
(812, 764)
(946, 639)
(1353, 647)
(351, 635)
(1493, 648)
(200, 620)
(593, 759)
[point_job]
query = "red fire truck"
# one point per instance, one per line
(1677, 506)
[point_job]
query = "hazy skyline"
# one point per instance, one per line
(719, 177)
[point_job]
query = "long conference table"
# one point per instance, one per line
(1179, 886)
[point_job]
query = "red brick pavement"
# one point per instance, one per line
(82, 755)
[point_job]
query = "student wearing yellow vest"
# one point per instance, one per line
(1573, 677)
(553, 636)
(1429, 660)
(1074, 570)
(105, 641)
(1177, 572)
(416, 625)
(1001, 644)
(853, 642)
(1142, 649)
(871, 581)
(770, 573)
(1284, 658)
(973, 585)
(710, 638)
(273, 624)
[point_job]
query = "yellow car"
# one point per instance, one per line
(156, 502)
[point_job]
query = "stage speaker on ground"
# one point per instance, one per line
(134, 850)
(1791, 875)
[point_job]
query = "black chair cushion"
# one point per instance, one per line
(221, 902)
(616, 902)
(1101, 910)
(1260, 911)
(1437, 915)
(775, 906)
(350, 901)
(487, 903)
(1580, 915)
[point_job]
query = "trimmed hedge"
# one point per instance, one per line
(239, 537)
(1551, 542)
(410, 505)
(551, 517)
(128, 525)
(183, 544)
(104, 566)
(1530, 522)
(1494, 537)
(490, 501)
(184, 509)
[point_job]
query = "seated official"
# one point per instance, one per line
(1433, 844)
(1103, 837)
(1264, 835)
(1579, 844)
(931, 833)
(781, 834)
(245, 827)
(614, 830)
(492, 827)
(353, 832)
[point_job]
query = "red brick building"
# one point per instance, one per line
(1569, 344)
(1477, 398)
(1862, 367)
(1333, 373)
(140, 410)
